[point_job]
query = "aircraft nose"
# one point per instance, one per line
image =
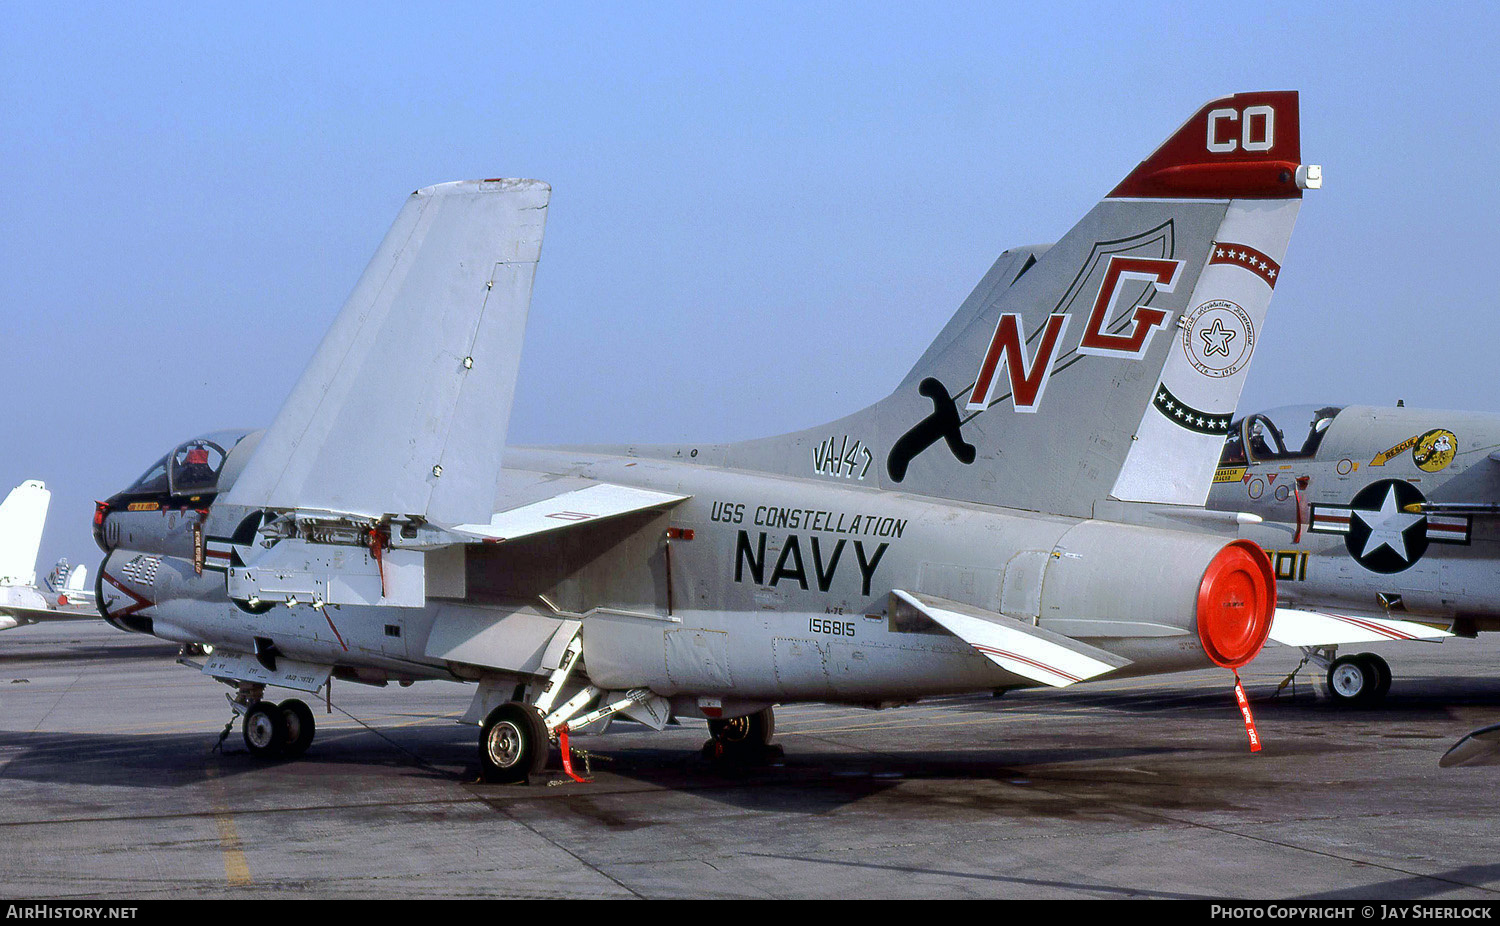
(121, 592)
(101, 534)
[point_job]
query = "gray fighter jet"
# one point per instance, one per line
(976, 530)
(1380, 524)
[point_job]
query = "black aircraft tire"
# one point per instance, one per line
(1353, 681)
(1382, 672)
(512, 744)
(745, 735)
(300, 727)
(264, 730)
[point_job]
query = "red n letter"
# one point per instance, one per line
(1027, 377)
(1159, 272)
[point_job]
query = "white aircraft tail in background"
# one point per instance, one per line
(22, 516)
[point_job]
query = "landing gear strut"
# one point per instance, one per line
(516, 737)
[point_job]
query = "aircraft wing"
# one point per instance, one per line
(1016, 646)
(1300, 627)
(404, 409)
(12, 615)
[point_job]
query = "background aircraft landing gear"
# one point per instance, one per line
(743, 738)
(513, 744)
(1358, 681)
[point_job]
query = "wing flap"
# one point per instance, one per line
(1015, 646)
(601, 500)
(1299, 627)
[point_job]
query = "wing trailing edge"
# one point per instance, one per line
(596, 502)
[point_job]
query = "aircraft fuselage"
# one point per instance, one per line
(757, 588)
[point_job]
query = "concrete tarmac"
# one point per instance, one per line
(110, 788)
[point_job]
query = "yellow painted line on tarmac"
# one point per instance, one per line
(236, 868)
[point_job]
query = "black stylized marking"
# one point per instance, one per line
(942, 423)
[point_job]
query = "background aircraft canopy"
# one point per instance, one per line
(1291, 432)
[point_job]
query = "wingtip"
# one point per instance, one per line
(487, 185)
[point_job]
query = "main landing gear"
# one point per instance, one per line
(1361, 680)
(273, 730)
(513, 743)
(516, 737)
(743, 739)
(1358, 681)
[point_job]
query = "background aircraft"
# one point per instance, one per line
(23, 514)
(371, 532)
(70, 585)
(1380, 524)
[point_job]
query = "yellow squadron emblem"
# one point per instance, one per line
(1434, 450)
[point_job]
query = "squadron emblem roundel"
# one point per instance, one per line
(1218, 338)
(1434, 450)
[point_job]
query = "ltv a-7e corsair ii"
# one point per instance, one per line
(1381, 524)
(976, 530)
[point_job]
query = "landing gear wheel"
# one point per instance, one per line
(745, 737)
(265, 730)
(300, 728)
(1353, 681)
(1382, 672)
(512, 744)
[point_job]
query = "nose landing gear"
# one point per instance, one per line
(272, 730)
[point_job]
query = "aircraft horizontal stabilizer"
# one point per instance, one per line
(1296, 627)
(405, 406)
(1016, 646)
(601, 500)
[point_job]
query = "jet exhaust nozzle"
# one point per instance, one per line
(1236, 602)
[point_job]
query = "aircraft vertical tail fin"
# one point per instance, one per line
(78, 581)
(22, 517)
(1107, 365)
(404, 407)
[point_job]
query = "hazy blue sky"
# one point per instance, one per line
(761, 213)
